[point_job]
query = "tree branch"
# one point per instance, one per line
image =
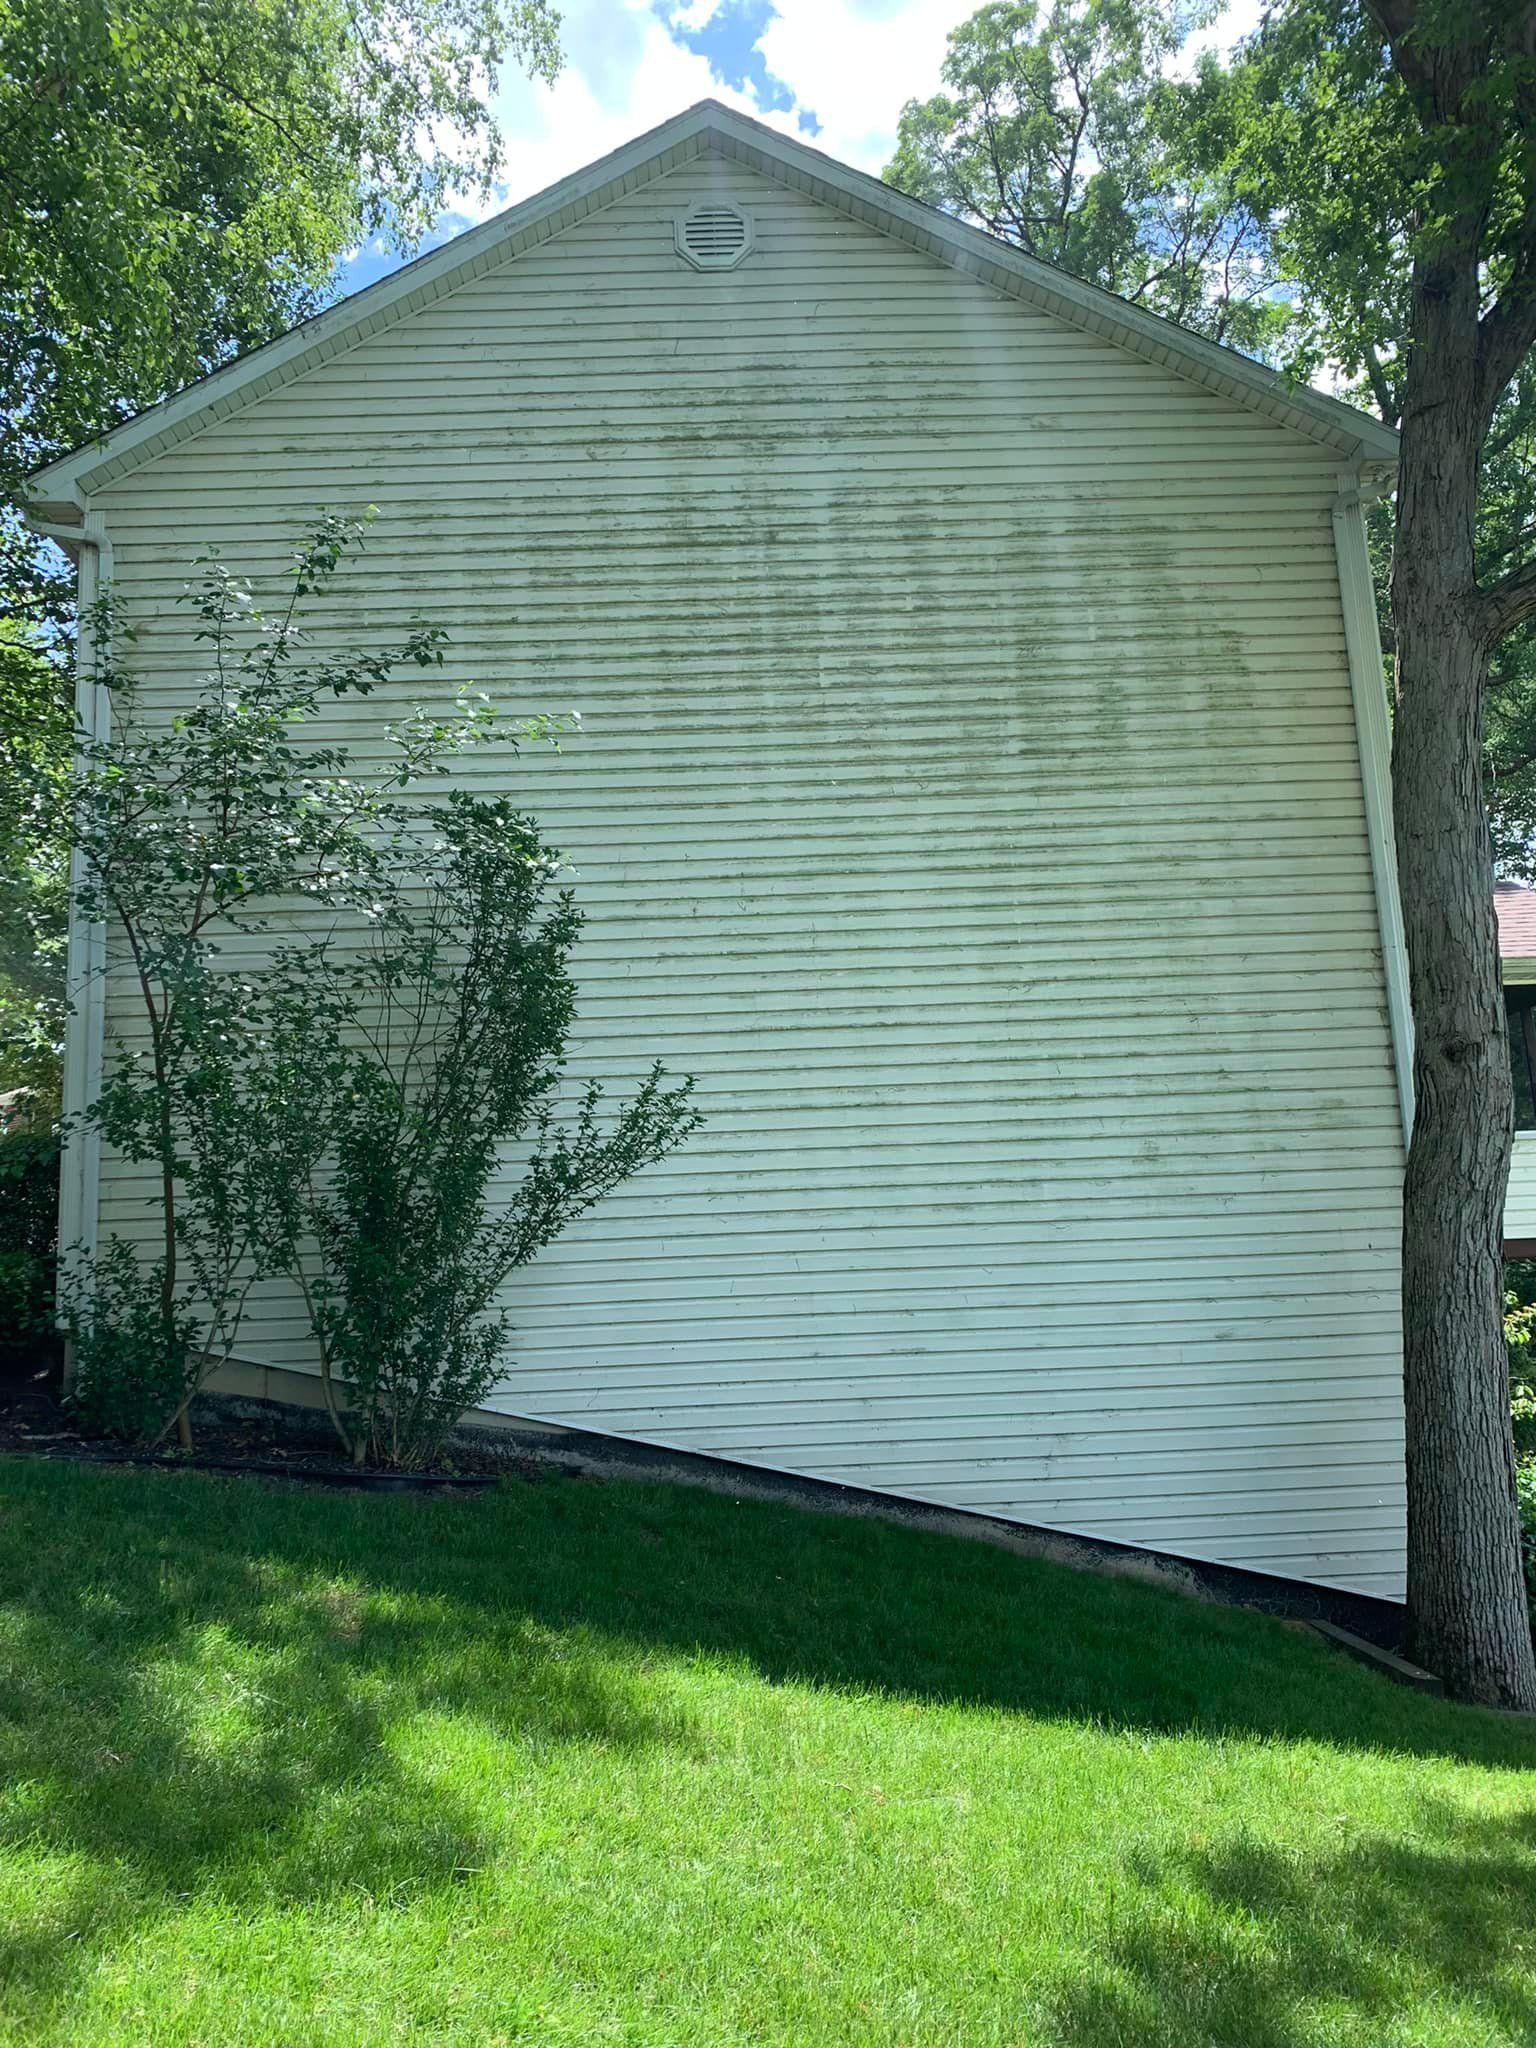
(1507, 331)
(1396, 21)
(1381, 390)
(1517, 764)
(1508, 603)
(216, 83)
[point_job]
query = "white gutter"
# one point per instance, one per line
(85, 966)
(1373, 734)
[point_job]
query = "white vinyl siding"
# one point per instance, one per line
(1520, 1197)
(967, 795)
(1520, 1194)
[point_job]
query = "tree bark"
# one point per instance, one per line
(1466, 1590)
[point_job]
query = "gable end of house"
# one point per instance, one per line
(708, 129)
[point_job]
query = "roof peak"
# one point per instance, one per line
(62, 485)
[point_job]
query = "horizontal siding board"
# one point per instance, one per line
(568, 451)
(604, 1254)
(608, 1262)
(1520, 1197)
(625, 394)
(874, 1282)
(920, 1057)
(1097, 1153)
(836, 515)
(1080, 1440)
(1091, 1429)
(951, 788)
(908, 1317)
(888, 1331)
(723, 904)
(1291, 496)
(966, 794)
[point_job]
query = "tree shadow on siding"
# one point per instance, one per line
(1241, 1944)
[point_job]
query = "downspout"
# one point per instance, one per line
(86, 956)
(1373, 734)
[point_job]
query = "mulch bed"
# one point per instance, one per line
(277, 1446)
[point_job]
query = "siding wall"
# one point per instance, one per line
(968, 796)
(1520, 1195)
(1520, 1198)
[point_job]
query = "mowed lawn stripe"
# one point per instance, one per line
(590, 1763)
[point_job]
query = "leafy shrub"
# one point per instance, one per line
(468, 1002)
(191, 831)
(29, 1241)
(1525, 1493)
(1520, 1339)
(341, 1115)
(134, 1361)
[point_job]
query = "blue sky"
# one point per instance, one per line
(835, 72)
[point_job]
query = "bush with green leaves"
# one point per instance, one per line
(1520, 1343)
(131, 1358)
(340, 1114)
(193, 833)
(463, 1003)
(1520, 1338)
(1525, 1494)
(35, 732)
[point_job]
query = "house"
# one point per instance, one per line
(1515, 908)
(982, 791)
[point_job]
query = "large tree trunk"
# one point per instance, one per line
(1466, 1590)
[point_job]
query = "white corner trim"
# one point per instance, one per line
(85, 969)
(1373, 734)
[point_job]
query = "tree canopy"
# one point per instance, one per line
(1061, 132)
(1356, 167)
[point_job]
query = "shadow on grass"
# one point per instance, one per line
(1238, 1943)
(202, 1684)
(188, 1710)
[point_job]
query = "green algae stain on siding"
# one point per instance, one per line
(967, 795)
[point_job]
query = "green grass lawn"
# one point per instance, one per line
(571, 1763)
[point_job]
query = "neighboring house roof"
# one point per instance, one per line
(61, 486)
(1514, 905)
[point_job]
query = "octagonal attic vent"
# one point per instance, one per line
(713, 235)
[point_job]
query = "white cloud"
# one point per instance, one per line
(855, 64)
(852, 63)
(1237, 19)
(623, 74)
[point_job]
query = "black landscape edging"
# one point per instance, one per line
(1375, 1658)
(587, 1453)
(265, 1468)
